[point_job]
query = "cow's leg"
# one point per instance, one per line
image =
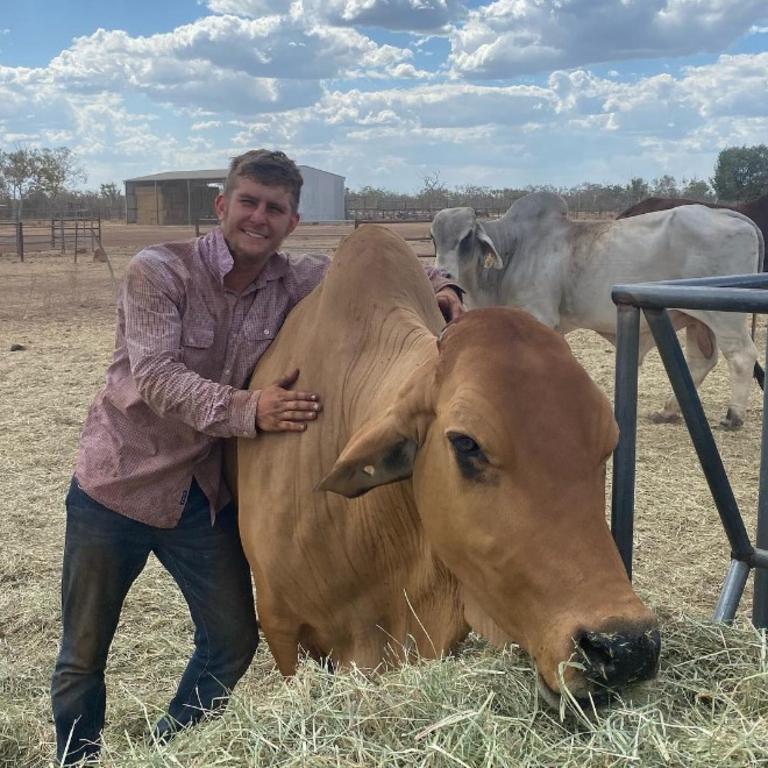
(284, 644)
(701, 356)
(740, 352)
(280, 628)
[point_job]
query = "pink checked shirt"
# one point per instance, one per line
(185, 349)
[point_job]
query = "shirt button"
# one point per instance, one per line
(266, 331)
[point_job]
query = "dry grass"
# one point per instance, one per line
(709, 705)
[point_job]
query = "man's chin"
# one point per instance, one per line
(252, 251)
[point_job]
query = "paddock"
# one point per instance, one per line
(708, 707)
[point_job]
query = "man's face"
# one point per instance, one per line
(255, 219)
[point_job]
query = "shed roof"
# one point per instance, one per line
(217, 174)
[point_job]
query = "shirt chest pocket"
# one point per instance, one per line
(197, 336)
(198, 351)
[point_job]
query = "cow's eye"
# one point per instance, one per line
(469, 457)
(464, 445)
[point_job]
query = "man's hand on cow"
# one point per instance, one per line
(450, 304)
(280, 409)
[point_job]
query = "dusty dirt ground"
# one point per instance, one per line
(62, 313)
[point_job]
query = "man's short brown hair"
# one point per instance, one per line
(272, 168)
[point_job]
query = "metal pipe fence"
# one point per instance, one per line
(734, 293)
(65, 235)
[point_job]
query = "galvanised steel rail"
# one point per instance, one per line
(733, 293)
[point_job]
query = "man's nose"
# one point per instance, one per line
(258, 213)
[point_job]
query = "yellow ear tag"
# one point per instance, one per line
(489, 260)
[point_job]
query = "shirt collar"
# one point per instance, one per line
(215, 250)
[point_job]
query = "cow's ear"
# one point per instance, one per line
(376, 455)
(491, 258)
(382, 451)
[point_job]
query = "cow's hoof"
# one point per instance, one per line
(661, 417)
(731, 421)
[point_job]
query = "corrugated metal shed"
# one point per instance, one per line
(183, 197)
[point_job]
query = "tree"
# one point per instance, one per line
(741, 173)
(697, 189)
(110, 192)
(26, 171)
(433, 192)
(637, 190)
(665, 186)
(58, 169)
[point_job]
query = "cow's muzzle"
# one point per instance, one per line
(613, 660)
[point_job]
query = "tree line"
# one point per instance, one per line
(740, 173)
(39, 183)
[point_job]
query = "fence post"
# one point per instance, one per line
(20, 240)
(53, 233)
(63, 236)
(76, 230)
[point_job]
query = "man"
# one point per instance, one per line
(194, 317)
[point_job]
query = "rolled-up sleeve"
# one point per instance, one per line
(439, 280)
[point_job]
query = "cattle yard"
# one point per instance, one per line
(709, 705)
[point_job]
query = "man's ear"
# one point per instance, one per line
(220, 206)
(491, 258)
(383, 450)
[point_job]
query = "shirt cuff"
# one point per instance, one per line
(242, 413)
(439, 281)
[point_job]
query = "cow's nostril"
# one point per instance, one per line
(613, 659)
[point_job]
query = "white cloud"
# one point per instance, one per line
(512, 37)
(225, 63)
(406, 15)
(206, 126)
(253, 8)
(402, 15)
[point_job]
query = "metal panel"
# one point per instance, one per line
(732, 293)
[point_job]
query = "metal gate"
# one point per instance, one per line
(736, 293)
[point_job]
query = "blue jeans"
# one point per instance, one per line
(104, 552)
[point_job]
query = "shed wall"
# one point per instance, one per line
(322, 196)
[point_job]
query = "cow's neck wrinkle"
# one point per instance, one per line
(380, 377)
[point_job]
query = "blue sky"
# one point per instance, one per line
(388, 92)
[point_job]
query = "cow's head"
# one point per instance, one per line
(463, 247)
(506, 440)
(477, 254)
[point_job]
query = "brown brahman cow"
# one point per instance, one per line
(452, 482)
(757, 209)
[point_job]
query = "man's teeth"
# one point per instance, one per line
(255, 234)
